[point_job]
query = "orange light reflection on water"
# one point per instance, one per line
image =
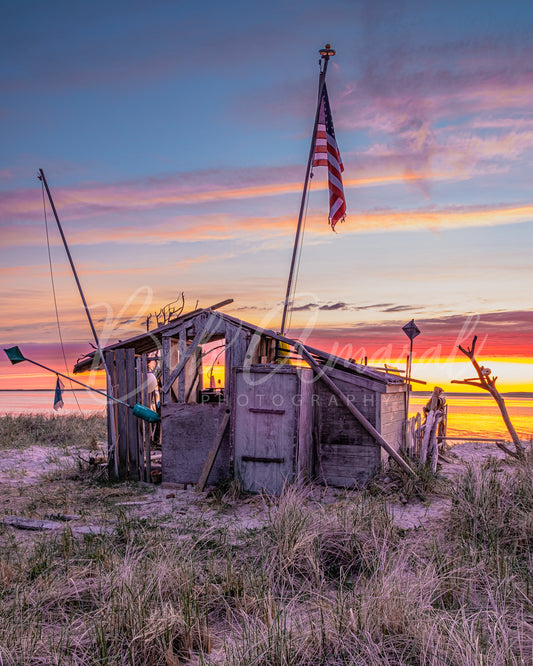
(478, 415)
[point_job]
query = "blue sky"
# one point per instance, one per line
(174, 137)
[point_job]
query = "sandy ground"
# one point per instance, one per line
(22, 469)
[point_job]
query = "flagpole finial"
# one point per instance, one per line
(327, 51)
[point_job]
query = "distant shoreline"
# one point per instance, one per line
(466, 394)
(49, 390)
(451, 394)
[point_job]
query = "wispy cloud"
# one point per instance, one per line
(97, 202)
(250, 229)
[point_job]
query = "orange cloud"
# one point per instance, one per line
(217, 227)
(101, 199)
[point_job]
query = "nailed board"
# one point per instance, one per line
(349, 456)
(188, 432)
(393, 416)
(265, 427)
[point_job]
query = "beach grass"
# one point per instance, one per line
(316, 583)
(24, 430)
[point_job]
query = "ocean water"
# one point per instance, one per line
(42, 402)
(468, 416)
(479, 415)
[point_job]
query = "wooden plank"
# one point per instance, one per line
(147, 427)
(349, 466)
(131, 420)
(182, 355)
(430, 419)
(165, 366)
(140, 422)
(187, 354)
(194, 385)
(112, 438)
(434, 447)
(353, 409)
(32, 524)
(257, 434)
(304, 458)
(237, 341)
(188, 434)
(229, 362)
(122, 416)
(173, 361)
(189, 377)
(208, 465)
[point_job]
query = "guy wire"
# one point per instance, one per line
(55, 299)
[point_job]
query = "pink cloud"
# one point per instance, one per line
(226, 227)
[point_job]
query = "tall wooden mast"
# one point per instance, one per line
(42, 178)
(325, 55)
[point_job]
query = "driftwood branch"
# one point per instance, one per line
(487, 383)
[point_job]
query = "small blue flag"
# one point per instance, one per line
(58, 397)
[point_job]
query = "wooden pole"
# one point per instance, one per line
(325, 54)
(352, 408)
(42, 178)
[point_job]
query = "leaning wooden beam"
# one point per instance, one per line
(187, 355)
(208, 465)
(352, 408)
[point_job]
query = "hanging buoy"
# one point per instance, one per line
(140, 411)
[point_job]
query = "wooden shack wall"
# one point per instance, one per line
(347, 455)
(392, 417)
(187, 433)
(123, 385)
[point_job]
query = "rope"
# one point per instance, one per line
(297, 271)
(55, 299)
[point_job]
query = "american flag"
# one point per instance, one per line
(327, 154)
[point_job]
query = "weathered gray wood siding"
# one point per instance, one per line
(305, 458)
(348, 456)
(392, 417)
(121, 365)
(188, 432)
(271, 426)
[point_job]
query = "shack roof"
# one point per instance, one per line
(151, 341)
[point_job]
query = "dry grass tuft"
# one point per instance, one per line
(318, 584)
(24, 430)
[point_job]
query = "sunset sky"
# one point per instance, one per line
(174, 137)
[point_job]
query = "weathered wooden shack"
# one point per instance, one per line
(275, 420)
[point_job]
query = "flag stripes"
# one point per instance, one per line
(327, 154)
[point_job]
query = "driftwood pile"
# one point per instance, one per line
(423, 439)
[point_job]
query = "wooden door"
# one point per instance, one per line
(265, 427)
